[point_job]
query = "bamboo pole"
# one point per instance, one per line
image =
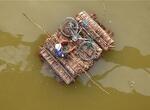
(37, 25)
(95, 83)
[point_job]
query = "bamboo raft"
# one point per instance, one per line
(68, 68)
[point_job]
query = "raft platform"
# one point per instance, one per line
(86, 38)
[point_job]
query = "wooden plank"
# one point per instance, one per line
(98, 33)
(56, 66)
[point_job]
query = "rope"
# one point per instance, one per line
(37, 25)
(95, 83)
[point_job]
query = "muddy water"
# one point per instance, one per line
(26, 84)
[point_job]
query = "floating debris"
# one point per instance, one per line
(131, 84)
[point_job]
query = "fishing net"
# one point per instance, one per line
(87, 51)
(69, 27)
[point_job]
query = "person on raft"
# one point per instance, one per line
(59, 48)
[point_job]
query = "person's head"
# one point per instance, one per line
(58, 46)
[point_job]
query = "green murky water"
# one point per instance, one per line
(25, 84)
